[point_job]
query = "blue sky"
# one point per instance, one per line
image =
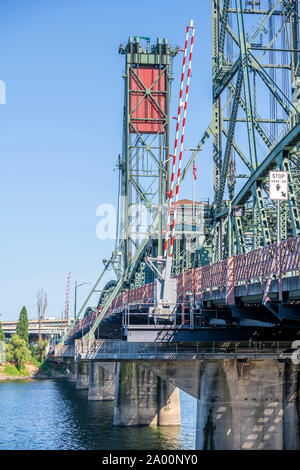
(61, 132)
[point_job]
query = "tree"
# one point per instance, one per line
(17, 351)
(41, 308)
(41, 350)
(38, 351)
(2, 335)
(22, 326)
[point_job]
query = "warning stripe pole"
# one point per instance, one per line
(67, 299)
(176, 140)
(182, 137)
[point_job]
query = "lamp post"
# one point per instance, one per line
(75, 297)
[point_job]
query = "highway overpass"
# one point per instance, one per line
(50, 327)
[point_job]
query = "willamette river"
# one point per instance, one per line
(52, 414)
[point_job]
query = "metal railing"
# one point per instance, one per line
(62, 350)
(118, 350)
(243, 269)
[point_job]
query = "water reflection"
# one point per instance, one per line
(52, 414)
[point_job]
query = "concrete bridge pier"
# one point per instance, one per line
(143, 398)
(291, 407)
(247, 405)
(168, 404)
(102, 381)
(83, 375)
(72, 367)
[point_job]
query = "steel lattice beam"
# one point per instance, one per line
(270, 30)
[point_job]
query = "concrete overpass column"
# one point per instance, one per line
(247, 405)
(83, 375)
(101, 382)
(142, 398)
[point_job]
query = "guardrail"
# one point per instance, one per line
(63, 351)
(118, 350)
(255, 266)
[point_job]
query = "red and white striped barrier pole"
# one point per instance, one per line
(176, 140)
(67, 299)
(182, 136)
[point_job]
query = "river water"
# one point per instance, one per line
(52, 414)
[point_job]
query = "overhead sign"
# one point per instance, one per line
(278, 185)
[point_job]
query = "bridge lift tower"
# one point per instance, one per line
(144, 163)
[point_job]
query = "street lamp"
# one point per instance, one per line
(75, 297)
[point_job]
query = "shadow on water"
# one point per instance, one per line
(52, 414)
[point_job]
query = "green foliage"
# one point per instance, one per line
(41, 349)
(2, 335)
(38, 353)
(12, 370)
(32, 349)
(17, 352)
(61, 370)
(46, 368)
(34, 360)
(22, 326)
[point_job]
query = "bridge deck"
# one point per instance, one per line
(266, 278)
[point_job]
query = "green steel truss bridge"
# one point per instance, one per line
(226, 260)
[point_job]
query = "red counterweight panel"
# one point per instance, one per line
(147, 101)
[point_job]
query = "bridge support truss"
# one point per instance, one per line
(255, 109)
(255, 128)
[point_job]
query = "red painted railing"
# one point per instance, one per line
(255, 266)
